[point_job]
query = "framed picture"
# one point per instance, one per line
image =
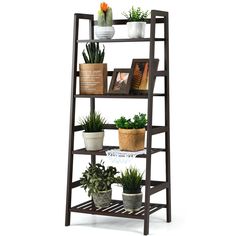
(140, 75)
(120, 82)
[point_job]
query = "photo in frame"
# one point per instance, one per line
(140, 75)
(120, 82)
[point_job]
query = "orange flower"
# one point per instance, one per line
(104, 6)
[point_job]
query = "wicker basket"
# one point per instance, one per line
(131, 139)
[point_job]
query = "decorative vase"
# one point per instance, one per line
(131, 139)
(132, 202)
(104, 32)
(136, 29)
(102, 198)
(93, 140)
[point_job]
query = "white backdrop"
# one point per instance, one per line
(35, 70)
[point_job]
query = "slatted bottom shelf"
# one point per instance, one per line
(115, 209)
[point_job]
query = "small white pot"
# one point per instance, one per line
(136, 29)
(93, 140)
(104, 32)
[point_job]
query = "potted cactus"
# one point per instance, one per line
(104, 28)
(93, 74)
(136, 22)
(131, 132)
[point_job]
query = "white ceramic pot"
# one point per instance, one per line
(104, 32)
(93, 140)
(136, 29)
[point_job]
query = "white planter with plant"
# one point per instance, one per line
(104, 29)
(97, 181)
(136, 22)
(131, 180)
(131, 132)
(93, 134)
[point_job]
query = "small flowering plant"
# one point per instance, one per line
(104, 15)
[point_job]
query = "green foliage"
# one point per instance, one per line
(93, 53)
(136, 14)
(98, 178)
(105, 18)
(131, 180)
(139, 121)
(93, 123)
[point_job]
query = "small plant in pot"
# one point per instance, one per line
(93, 134)
(104, 29)
(93, 73)
(131, 132)
(136, 22)
(97, 181)
(131, 180)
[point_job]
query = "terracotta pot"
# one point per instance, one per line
(131, 139)
(93, 78)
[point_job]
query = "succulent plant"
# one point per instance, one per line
(94, 53)
(104, 15)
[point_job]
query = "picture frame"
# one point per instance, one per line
(140, 75)
(120, 82)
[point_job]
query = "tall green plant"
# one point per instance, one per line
(98, 178)
(93, 53)
(131, 180)
(93, 122)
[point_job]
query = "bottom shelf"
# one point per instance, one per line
(115, 209)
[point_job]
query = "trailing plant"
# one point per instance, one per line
(93, 122)
(104, 15)
(136, 14)
(98, 178)
(131, 180)
(93, 53)
(138, 122)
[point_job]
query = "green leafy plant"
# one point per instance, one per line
(93, 53)
(104, 15)
(139, 121)
(131, 180)
(98, 178)
(136, 14)
(93, 122)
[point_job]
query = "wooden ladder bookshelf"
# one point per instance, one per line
(151, 186)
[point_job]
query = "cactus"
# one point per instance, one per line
(94, 53)
(104, 15)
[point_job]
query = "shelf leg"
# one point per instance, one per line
(167, 120)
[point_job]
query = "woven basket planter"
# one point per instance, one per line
(131, 139)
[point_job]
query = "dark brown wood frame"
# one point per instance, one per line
(155, 66)
(151, 186)
(113, 80)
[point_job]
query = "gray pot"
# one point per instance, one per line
(132, 202)
(93, 140)
(102, 198)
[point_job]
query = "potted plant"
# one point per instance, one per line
(131, 132)
(104, 29)
(131, 180)
(97, 180)
(93, 74)
(93, 134)
(136, 22)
